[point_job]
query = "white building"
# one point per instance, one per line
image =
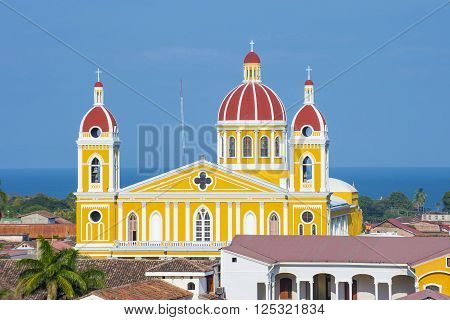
(324, 267)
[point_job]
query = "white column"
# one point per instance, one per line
(390, 290)
(376, 289)
(261, 218)
(230, 221)
(187, 220)
(111, 170)
(350, 290)
(256, 146)
(80, 170)
(120, 220)
(219, 146)
(144, 222)
(167, 221)
(311, 289)
(272, 146)
(225, 148)
(238, 218)
(285, 218)
(336, 290)
(238, 146)
(284, 147)
(217, 222)
(175, 221)
(291, 169)
(118, 169)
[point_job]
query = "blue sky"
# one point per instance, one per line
(391, 110)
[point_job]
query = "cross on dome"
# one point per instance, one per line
(251, 45)
(308, 70)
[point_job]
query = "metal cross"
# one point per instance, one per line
(98, 74)
(309, 72)
(202, 180)
(251, 45)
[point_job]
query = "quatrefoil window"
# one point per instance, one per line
(202, 181)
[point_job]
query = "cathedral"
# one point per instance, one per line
(267, 180)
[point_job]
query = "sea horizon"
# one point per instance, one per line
(375, 182)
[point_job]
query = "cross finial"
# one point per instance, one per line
(251, 45)
(308, 70)
(98, 74)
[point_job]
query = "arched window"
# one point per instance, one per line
(313, 229)
(300, 229)
(232, 147)
(191, 286)
(277, 147)
(155, 227)
(247, 146)
(95, 170)
(307, 169)
(264, 152)
(274, 224)
(433, 287)
(250, 223)
(203, 226)
(132, 227)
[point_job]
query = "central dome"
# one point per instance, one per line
(252, 100)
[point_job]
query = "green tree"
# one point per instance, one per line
(56, 272)
(398, 200)
(446, 201)
(3, 200)
(419, 199)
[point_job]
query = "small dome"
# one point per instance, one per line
(99, 117)
(252, 57)
(337, 185)
(252, 101)
(308, 83)
(98, 84)
(309, 115)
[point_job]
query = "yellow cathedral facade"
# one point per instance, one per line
(267, 180)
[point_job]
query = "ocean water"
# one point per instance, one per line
(375, 182)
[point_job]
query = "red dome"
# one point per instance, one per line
(252, 101)
(98, 84)
(252, 57)
(309, 116)
(308, 83)
(100, 117)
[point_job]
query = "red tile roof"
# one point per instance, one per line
(181, 265)
(34, 231)
(43, 213)
(153, 289)
(402, 226)
(357, 249)
(426, 295)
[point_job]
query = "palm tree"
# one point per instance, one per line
(56, 272)
(419, 199)
(5, 294)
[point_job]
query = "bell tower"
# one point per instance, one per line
(309, 144)
(98, 147)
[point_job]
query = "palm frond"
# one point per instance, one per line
(31, 263)
(74, 278)
(65, 286)
(29, 272)
(46, 253)
(29, 285)
(94, 278)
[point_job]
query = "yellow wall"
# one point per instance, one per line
(434, 271)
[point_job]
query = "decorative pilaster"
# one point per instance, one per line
(217, 236)
(111, 169)
(230, 221)
(261, 218)
(80, 170)
(144, 222)
(238, 218)
(187, 220)
(167, 222)
(285, 218)
(120, 220)
(272, 146)
(175, 221)
(238, 146)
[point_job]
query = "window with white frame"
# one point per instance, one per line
(232, 147)
(203, 226)
(307, 167)
(300, 229)
(247, 147)
(95, 170)
(277, 147)
(264, 149)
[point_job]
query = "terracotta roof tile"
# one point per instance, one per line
(153, 289)
(426, 295)
(35, 230)
(181, 265)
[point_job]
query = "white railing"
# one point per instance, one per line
(171, 245)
